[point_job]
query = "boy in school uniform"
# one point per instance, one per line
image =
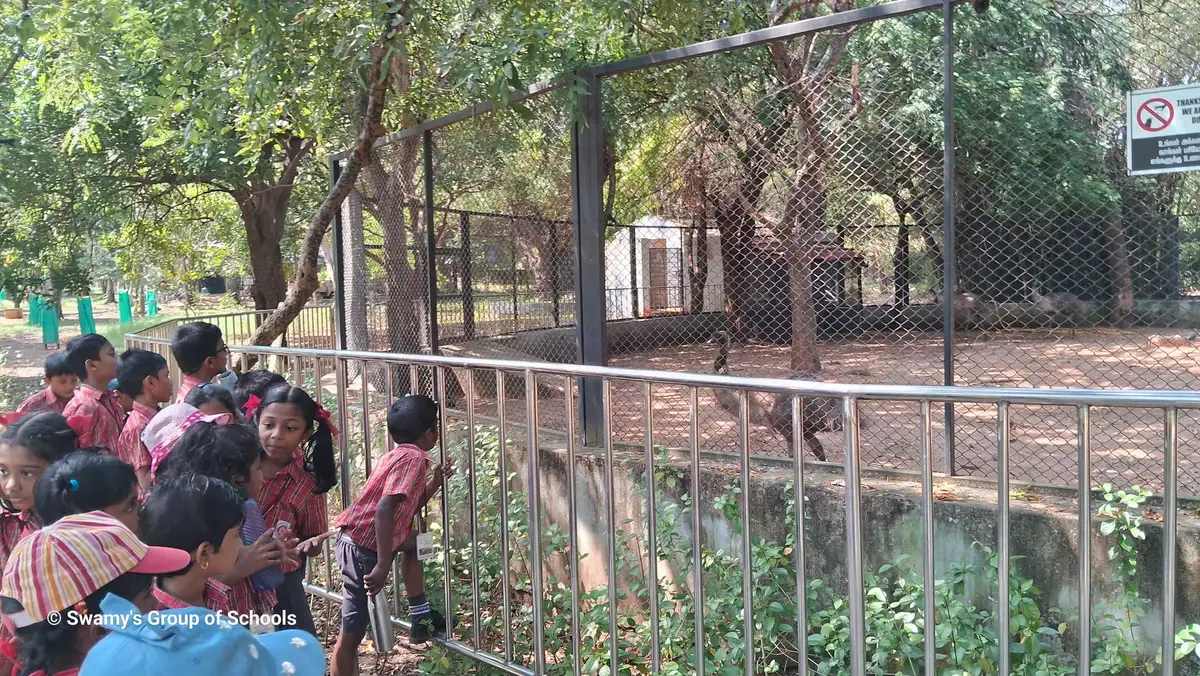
(94, 361)
(61, 382)
(143, 375)
(201, 353)
(379, 524)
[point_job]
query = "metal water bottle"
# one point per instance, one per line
(380, 613)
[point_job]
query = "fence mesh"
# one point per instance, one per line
(778, 211)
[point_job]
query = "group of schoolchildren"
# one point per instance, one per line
(184, 527)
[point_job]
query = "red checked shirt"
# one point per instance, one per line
(186, 385)
(245, 599)
(216, 598)
(129, 445)
(107, 417)
(45, 400)
(14, 526)
(400, 472)
(287, 495)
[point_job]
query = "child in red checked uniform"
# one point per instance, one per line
(299, 468)
(379, 525)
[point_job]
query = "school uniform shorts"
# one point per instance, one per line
(356, 563)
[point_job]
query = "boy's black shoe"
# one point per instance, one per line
(438, 621)
(421, 632)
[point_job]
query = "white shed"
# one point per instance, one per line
(649, 276)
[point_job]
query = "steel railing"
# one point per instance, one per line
(326, 365)
(314, 327)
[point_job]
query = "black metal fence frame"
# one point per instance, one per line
(589, 225)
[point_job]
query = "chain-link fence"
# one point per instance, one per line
(779, 209)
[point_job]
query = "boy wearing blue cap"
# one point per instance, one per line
(195, 642)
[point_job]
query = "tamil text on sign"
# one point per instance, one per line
(1164, 130)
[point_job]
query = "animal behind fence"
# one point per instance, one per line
(820, 414)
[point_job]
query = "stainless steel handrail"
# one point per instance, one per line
(850, 397)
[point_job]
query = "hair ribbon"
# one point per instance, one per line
(251, 405)
(323, 415)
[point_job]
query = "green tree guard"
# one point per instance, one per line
(87, 321)
(126, 307)
(50, 325)
(151, 303)
(35, 310)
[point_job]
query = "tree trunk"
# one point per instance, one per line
(110, 291)
(1120, 273)
(266, 258)
(371, 129)
(737, 234)
(809, 209)
(141, 299)
(698, 265)
(355, 275)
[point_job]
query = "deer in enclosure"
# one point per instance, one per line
(1061, 307)
(775, 410)
(966, 307)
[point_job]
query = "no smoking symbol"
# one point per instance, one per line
(1155, 115)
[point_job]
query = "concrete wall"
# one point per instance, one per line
(1043, 532)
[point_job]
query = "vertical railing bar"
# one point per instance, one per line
(364, 372)
(801, 577)
(298, 371)
(439, 384)
(854, 545)
(572, 525)
(697, 558)
(1002, 540)
(501, 438)
(339, 365)
(927, 569)
(747, 567)
(1170, 452)
(606, 405)
(535, 531)
(414, 380)
(1083, 432)
(651, 524)
(397, 576)
(469, 387)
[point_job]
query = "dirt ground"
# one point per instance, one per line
(1126, 443)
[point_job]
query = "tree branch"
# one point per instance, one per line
(305, 283)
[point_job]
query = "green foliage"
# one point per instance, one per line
(964, 597)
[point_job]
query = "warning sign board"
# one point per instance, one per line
(1163, 134)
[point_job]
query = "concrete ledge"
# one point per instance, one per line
(1043, 527)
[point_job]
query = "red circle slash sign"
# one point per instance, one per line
(1155, 115)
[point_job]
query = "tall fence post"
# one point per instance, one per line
(339, 268)
(468, 276)
(587, 216)
(512, 249)
(430, 244)
(634, 299)
(552, 239)
(948, 219)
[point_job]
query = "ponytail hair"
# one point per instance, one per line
(319, 459)
(83, 481)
